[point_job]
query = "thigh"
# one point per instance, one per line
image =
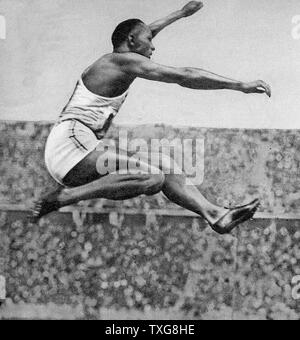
(165, 163)
(101, 163)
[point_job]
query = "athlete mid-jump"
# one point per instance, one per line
(72, 151)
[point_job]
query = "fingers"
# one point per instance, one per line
(200, 4)
(192, 7)
(195, 3)
(263, 87)
(258, 90)
(258, 86)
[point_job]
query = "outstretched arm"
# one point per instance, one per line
(138, 66)
(191, 8)
(199, 79)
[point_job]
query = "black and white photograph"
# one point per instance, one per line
(150, 162)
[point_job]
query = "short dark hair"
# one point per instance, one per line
(122, 31)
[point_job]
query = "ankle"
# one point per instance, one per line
(215, 215)
(65, 198)
(55, 198)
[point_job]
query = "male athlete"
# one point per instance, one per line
(73, 151)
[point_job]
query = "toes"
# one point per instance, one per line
(35, 212)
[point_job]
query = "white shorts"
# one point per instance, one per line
(68, 144)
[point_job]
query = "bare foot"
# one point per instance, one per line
(45, 206)
(234, 217)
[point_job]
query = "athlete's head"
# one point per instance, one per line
(135, 35)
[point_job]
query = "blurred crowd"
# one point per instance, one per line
(160, 266)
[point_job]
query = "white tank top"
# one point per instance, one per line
(94, 111)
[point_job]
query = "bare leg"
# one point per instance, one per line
(189, 197)
(181, 191)
(86, 183)
(177, 188)
(149, 181)
(114, 187)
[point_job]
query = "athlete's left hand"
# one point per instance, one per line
(258, 86)
(191, 8)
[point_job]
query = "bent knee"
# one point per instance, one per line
(154, 184)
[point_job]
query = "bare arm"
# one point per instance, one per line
(191, 8)
(199, 79)
(193, 78)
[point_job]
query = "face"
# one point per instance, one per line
(141, 41)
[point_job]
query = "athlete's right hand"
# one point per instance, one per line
(258, 86)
